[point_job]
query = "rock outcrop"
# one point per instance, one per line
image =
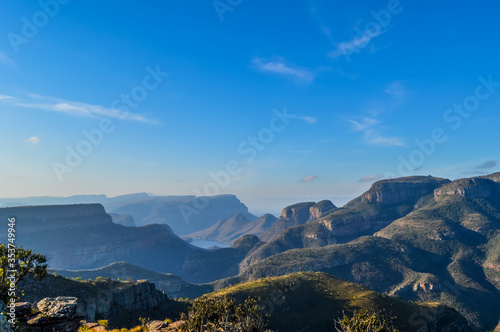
(297, 214)
(469, 188)
(122, 303)
(4, 323)
(319, 209)
(407, 189)
(55, 314)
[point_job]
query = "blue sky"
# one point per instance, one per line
(183, 86)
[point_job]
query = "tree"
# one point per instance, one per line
(221, 314)
(22, 261)
(363, 322)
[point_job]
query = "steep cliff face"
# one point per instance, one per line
(469, 188)
(292, 215)
(319, 209)
(55, 217)
(408, 189)
(122, 303)
(83, 236)
(493, 177)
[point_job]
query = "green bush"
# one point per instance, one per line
(363, 322)
(103, 323)
(222, 314)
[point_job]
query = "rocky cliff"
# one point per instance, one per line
(319, 209)
(122, 303)
(400, 190)
(298, 214)
(469, 188)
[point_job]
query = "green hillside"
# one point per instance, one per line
(310, 301)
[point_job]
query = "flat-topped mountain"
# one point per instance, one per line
(469, 188)
(83, 236)
(407, 189)
(184, 214)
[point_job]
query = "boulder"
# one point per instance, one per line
(56, 314)
(4, 324)
(59, 307)
(157, 326)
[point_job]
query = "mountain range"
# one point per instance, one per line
(420, 238)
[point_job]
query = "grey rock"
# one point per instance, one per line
(4, 324)
(59, 307)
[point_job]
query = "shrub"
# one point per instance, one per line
(363, 322)
(103, 323)
(221, 313)
(24, 261)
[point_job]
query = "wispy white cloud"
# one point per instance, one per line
(371, 135)
(72, 108)
(371, 178)
(355, 44)
(33, 140)
(371, 126)
(314, 13)
(309, 178)
(364, 123)
(280, 67)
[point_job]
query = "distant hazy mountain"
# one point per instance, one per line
(184, 214)
(83, 236)
(228, 230)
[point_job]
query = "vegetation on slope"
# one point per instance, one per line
(311, 301)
